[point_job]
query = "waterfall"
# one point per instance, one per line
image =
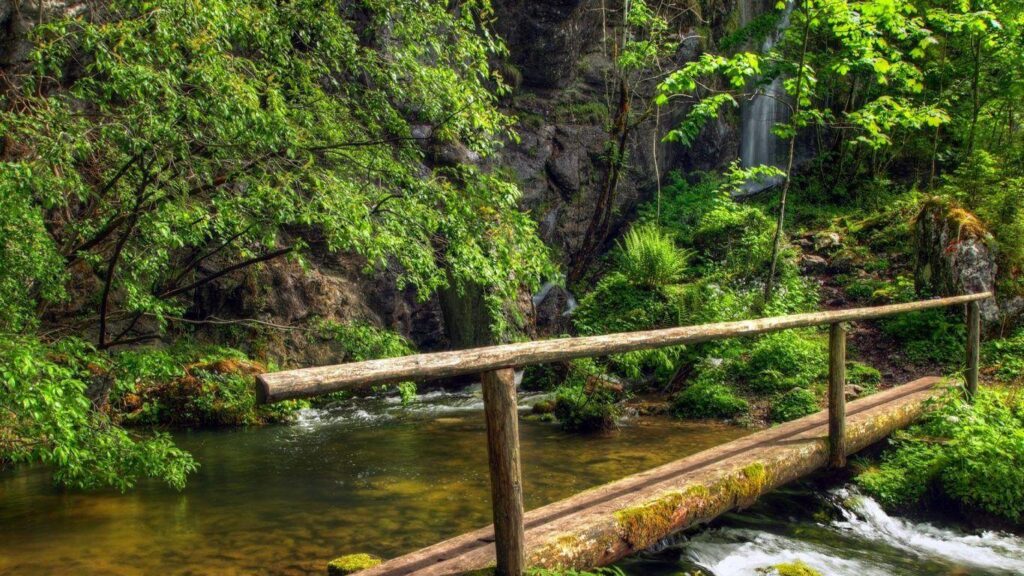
(758, 145)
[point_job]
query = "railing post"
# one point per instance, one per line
(973, 346)
(501, 412)
(837, 395)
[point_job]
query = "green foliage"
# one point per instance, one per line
(972, 454)
(929, 335)
(724, 235)
(1006, 356)
(189, 385)
(707, 397)
(586, 401)
(783, 360)
(860, 374)
(879, 290)
(164, 156)
(360, 341)
(46, 417)
(642, 292)
(794, 404)
(649, 258)
(754, 32)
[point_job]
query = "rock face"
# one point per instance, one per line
(331, 288)
(558, 52)
(953, 254)
(17, 17)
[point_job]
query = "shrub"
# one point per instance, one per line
(587, 401)
(1006, 356)
(361, 341)
(794, 404)
(618, 305)
(928, 335)
(707, 397)
(737, 235)
(190, 385)
(649, 257)
(970, 453)
(783, 360)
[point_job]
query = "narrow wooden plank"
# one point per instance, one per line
(591, 521)
(308, 382)
(837, 395)
(501, 412)
(973, 347)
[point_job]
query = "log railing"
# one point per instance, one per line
(496, 364)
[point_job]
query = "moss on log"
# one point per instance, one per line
(602, 525)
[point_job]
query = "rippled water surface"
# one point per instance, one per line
(365, 477)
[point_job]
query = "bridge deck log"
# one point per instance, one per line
(604, 524)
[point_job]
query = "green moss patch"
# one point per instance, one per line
(351, 564)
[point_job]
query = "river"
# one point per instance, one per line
(373, 476)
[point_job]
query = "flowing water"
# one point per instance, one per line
(770, 105)
(836, 532)
(369, 476)
(372, 476)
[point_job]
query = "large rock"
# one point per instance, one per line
(954, 255)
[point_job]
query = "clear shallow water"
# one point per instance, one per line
(368, 476)
(838, 533)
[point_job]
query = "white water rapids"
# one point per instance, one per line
(860, 540)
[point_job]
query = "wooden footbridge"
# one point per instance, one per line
(599, 526)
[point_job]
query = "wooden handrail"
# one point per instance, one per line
(307, 382)
(495, 363)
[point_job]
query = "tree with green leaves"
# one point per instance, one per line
(153, 148)
(828, 48)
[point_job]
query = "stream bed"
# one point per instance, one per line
(373, 476)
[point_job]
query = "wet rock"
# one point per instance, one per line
(552, 309)
(564, 171)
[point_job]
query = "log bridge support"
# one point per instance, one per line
(599, 526)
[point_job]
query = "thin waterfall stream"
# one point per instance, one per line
(759, 146)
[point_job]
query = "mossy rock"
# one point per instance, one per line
(351, 564)
(797, 568)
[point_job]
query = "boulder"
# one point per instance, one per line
(813, 263)
(827, 242)
(953, 254)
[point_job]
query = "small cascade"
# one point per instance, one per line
(758, 145)
(860, 540)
